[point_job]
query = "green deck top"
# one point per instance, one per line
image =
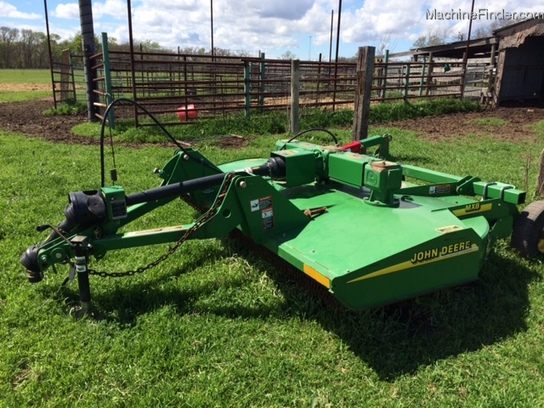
(354, 234)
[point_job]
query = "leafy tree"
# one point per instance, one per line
(8, 39)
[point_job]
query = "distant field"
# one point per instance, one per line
(25, 76)
(24, 84)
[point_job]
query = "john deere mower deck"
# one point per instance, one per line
(369, 230)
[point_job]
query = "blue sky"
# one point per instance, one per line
(301, 27)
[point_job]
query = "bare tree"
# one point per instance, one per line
(437, 36)
(288, 55)
(382, 43)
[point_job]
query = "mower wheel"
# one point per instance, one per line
(528, 233)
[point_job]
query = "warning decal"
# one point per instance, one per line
(264, 204)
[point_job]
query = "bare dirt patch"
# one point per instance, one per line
(517, 125)
(24, 87)
(27, 118)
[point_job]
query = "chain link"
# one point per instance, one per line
(198, 224)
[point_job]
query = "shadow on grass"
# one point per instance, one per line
(393, 340)
(397, 339)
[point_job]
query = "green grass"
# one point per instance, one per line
(19, 96)
(67, 109)
(215, 326)
(491, 122)
(538, 128)
(273, 122)
(25, 76)
(389, 112)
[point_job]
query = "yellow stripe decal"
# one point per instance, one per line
(409, 264)
(473, 208)
(312, 273)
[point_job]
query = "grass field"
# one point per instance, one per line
(215, 326)
(25, 76)
(24, 84)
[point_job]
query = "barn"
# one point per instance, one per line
(520, 62)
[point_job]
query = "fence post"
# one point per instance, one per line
(72, 76)
(464, 76)
(263, 77)
(386, 61)
(429, 75)
(185, 81)
(65, 76)
(295, 87)
(422, 80)
(365, 69)
(406, 81)
(540, 180)
(318, 79)
(247, 88)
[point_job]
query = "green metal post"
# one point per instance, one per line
(406, 82)
(318, 79)
(295, 92)
(107, 78)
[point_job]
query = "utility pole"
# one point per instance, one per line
(211, 25)
(465, 57)
(336, 59)
(330, 40)
(50, 52)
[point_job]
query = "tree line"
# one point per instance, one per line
(23, 49)
(27, 49)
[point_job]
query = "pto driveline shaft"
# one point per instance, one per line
(176, 189)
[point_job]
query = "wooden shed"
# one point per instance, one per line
(514, 58)
(520, 62)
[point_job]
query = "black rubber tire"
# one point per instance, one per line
(528, 231)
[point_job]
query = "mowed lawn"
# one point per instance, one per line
(216, 326)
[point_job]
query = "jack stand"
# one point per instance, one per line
(80, 245)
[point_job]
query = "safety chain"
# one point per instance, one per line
(198, 224)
